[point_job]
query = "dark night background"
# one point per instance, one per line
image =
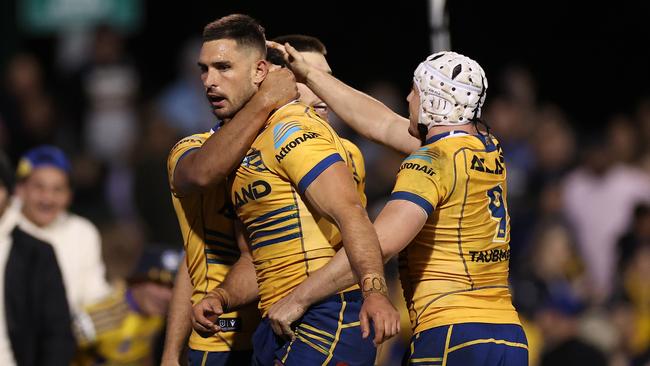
(591, 60)
(576, 140)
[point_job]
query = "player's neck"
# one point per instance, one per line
(436, 130)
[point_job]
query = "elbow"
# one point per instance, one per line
(387, 254)
(388, 251)
(202, 179)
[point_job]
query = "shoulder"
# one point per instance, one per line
(25, 242)
(195, 140)
(350, 146)
(431, 153)
(293, 130)
(81, 225)
(293, 118)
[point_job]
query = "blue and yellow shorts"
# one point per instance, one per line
(470, 344)
(328, 334)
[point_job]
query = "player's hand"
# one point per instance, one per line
(279, 87)
(296, 61)
(385, 318)
(284, 313)
(205, 313)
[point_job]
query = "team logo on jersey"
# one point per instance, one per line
(283, 130)
(280, 134)
(253, 160)
(253, 191)
(423, 153)
(490, 256)
(230, 324)
(419, 167)
(479, 165)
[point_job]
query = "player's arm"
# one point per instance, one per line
(333, 194)
(396, 226)
(239, 288)
(179, 322)
(365, 114)
(217, 157)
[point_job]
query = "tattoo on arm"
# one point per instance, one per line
(373, 283)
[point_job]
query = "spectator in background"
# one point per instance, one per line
(152, 198)
(108, 90)
(27, 108)
(183, 102)
(554, 145)
(44, 194)
(599, 197)
(623, 139)
(558, 320)
(631, 311)
(636, 237)
(110, 84)
(124, 328)
(552, 263)
(642, 117)
(34, 314)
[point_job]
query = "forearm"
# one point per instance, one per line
(239, 288)
(363, 113)
(335, 276)
(361, 243)
(221, 153)
(179, 319)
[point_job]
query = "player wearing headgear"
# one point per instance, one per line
(447, 217)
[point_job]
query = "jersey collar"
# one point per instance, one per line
(440, 136)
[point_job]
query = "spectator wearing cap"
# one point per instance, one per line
(45, 194)
(123, 328)
(559, 318)
(34, 315)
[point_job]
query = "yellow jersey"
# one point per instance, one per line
(288, 238)
(113, 332)
(456, 269)
(207, 225)
(357, 167)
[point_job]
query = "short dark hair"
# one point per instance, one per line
(276, 57)
(303, 43)
(242, 28)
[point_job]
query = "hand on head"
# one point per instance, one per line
(279, 87)
(294, 59)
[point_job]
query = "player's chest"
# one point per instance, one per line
(254, 184)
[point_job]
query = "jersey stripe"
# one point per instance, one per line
(412, 197)
(272, 213)
(262, 233)
(276, 240)
(317, 170)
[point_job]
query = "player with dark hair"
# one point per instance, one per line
(197, 168)
(295, 194)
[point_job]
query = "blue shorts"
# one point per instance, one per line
(470, 344)
(232, 358)
(328, 334)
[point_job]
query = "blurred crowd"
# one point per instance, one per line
(578, 197)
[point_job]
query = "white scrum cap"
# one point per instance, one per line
(452, 89)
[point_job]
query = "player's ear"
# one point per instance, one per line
(260, 72)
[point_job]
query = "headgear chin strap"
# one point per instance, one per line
(452, 89)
